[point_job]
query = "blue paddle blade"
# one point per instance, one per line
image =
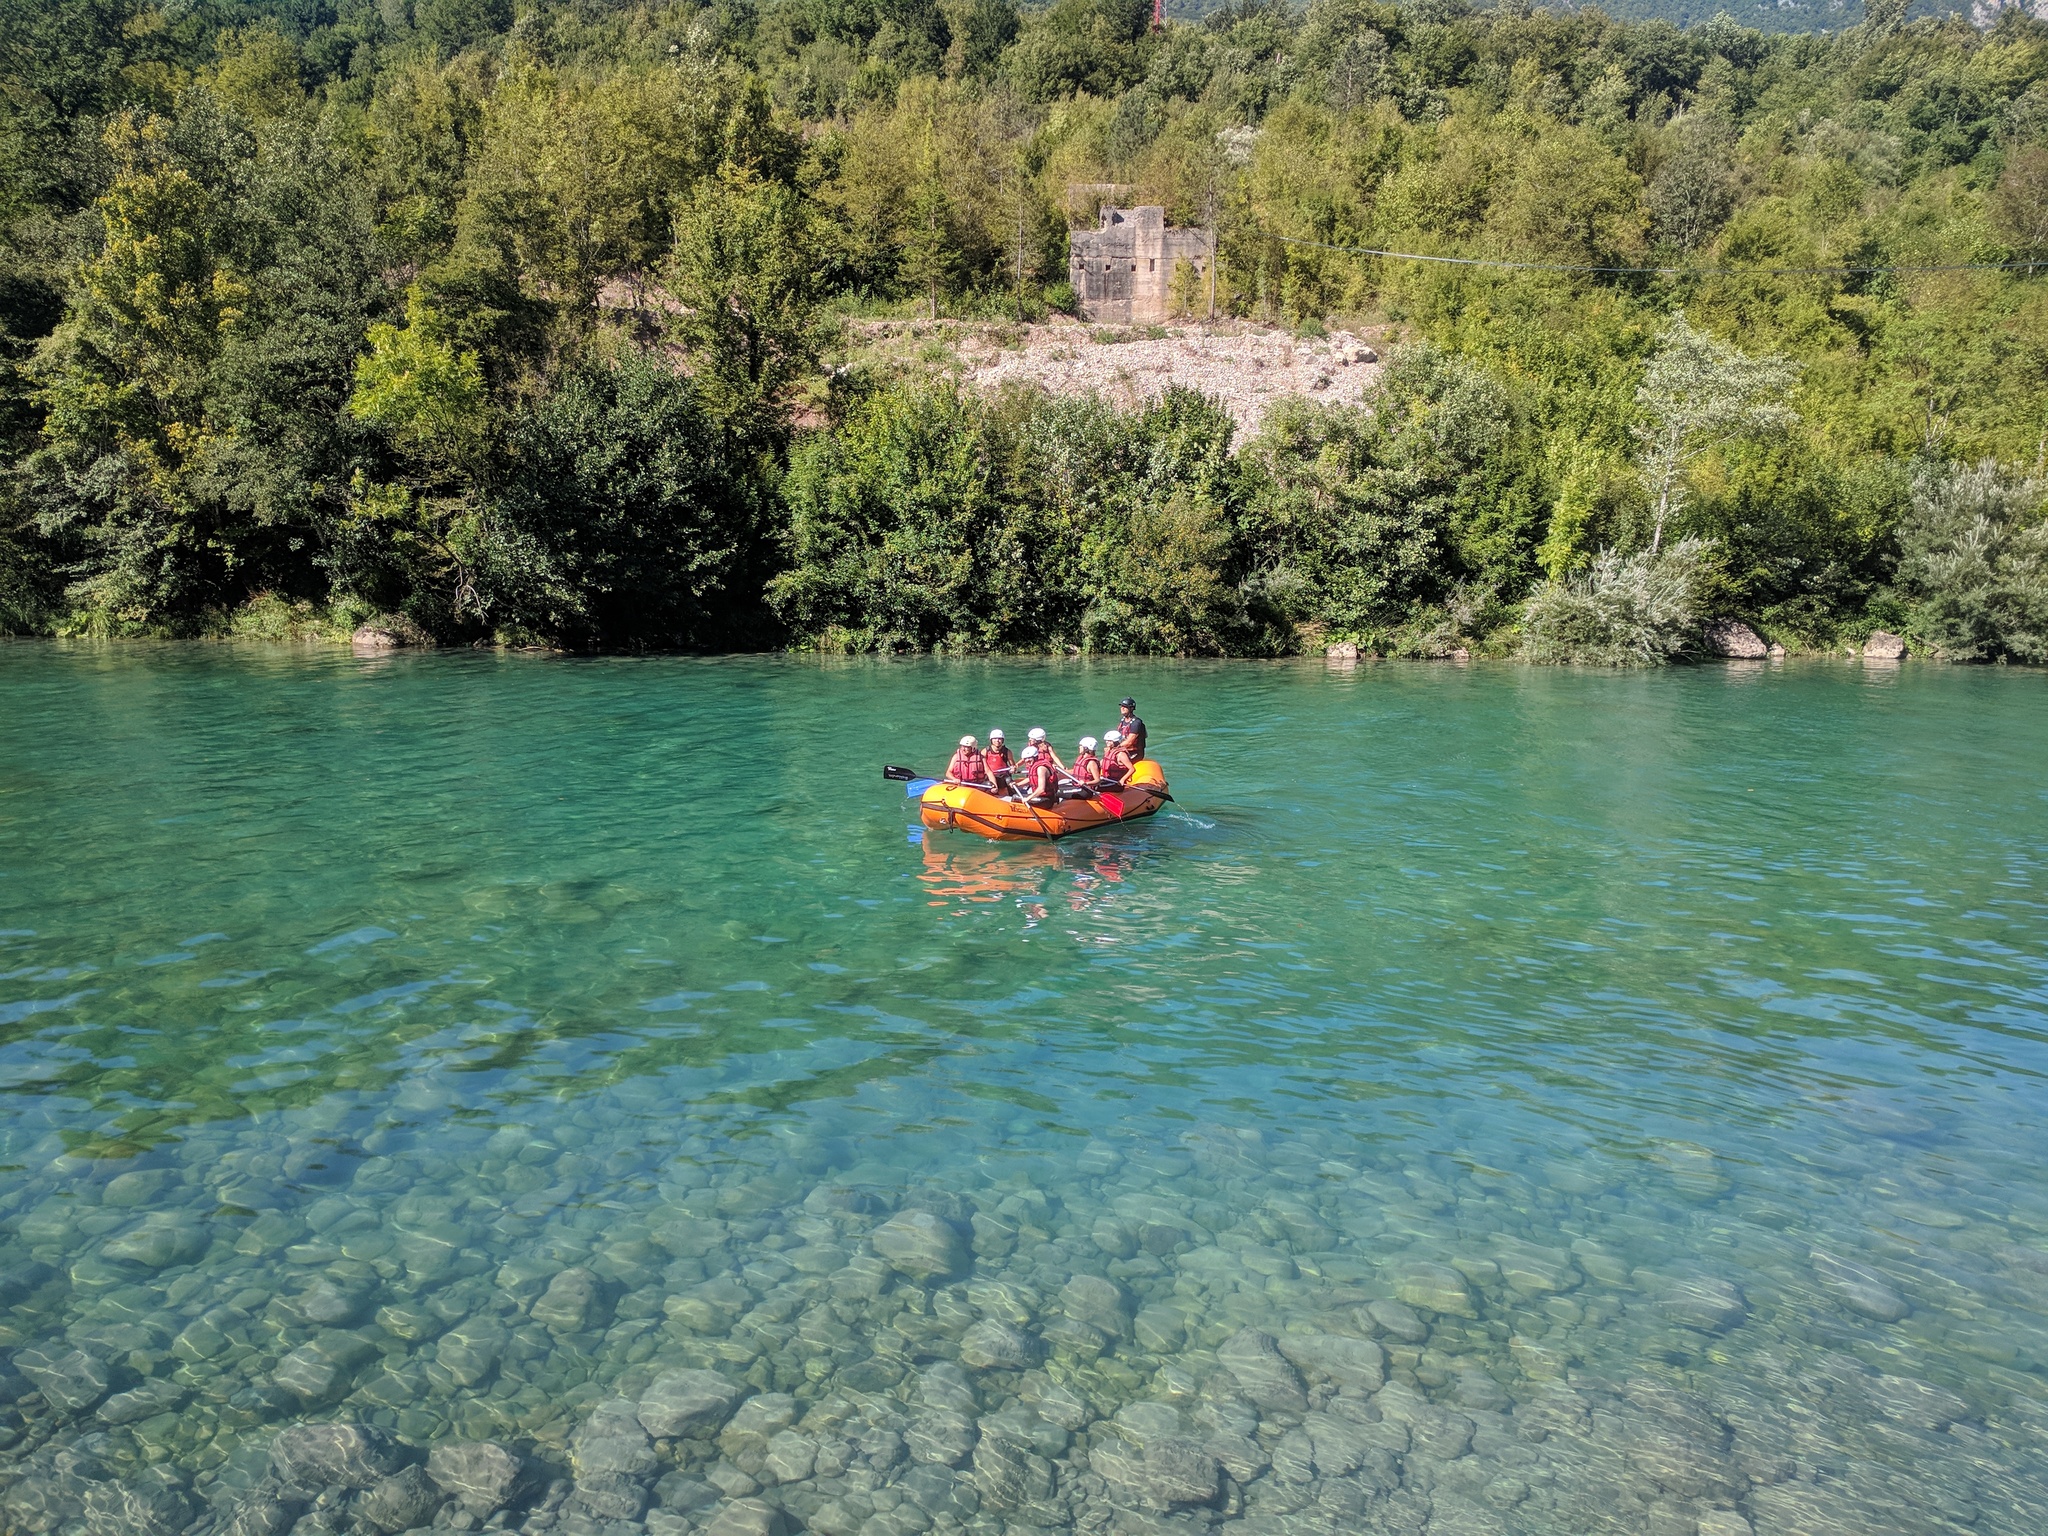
(917, 787)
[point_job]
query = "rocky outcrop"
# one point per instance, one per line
(1883, 645)
(391, 632)
(1736, 640)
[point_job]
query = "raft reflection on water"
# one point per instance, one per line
(1039, 875)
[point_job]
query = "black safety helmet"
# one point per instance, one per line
(1128, 704)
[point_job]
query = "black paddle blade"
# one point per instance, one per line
(902, 775)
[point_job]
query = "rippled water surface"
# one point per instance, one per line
(1491, 1101)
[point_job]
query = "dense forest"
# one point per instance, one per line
(518, 322)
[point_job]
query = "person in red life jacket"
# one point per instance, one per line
(1037, 739)
(968, 765)
(1041, 779)
(998, 761)
(1116, 759)
(1087, 766)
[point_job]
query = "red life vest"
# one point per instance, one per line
(1044, 778)
(968, 766)
(1117, 765)
(1087, 767)
(998, 759)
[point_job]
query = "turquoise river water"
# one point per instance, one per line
(492, 1092)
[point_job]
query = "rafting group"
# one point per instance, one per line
(1036, 795)
(1038, 776)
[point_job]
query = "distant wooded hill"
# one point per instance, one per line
(527, 323)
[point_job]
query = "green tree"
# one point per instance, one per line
(745, 272)
(625, 519)
(891, 521)
(428, 397)
(1973, 558)
(123, 385)
(1698, 394)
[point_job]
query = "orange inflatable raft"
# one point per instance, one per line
(962, 808)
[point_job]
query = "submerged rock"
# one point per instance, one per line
(71, 1381)
(1709, 1305)
(609, 1496)
(153, 1504)
(315, 1456)
(1358, 1364)
(570, 1302)
(612, 1440)
(679, 1403)
(401, 1501)
(992, 1345)
(1857, 1287)
(1170, 1472)
(481, 1473)
(1434, 1288)
(1267, 1380)
(920, 1244)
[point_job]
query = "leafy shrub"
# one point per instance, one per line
(1625, 611)
(895, 524)
(631, 520)
(1974, 560)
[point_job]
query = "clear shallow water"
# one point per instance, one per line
(1495, 1101)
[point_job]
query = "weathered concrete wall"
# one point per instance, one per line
(1122, 270)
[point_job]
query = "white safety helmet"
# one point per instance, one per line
(1030, 753)
(966, 741)
(996, 734)
(1037, 733)
(1088, 742)
(1114, 737)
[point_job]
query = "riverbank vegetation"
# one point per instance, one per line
(521, 322)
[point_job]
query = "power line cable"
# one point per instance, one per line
(1549, 266)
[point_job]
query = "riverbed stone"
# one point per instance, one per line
(157, 1395)
(791, 1457)
(481, 1473)
(1170, 1472)
(154, 1503)
(920, 1244)
(570, 1302)
(687, 1402)
(993, 1345)
(745, 1517)
(941, 1436)
(264, 1511)
(401, 1501)
(158, 1241)
(612, 1440)
(316, 1456)
(1883, 646)
(1251, 1356)
(1396, 1319)
(609, 1496)
(1921, 1404)
(1160, 1330)
(71, 1381)
(1434, 1287)
(1703, 1302)
(1095, 1301)
(1858, 1287)
(137, 1187)
(1358, 1364)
